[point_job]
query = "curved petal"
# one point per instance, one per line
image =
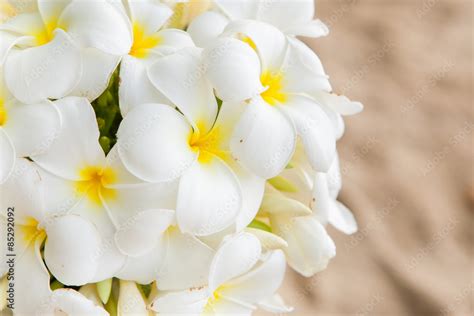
(263, 140)
(238, 10)
(7, 152)
(315, 130)
(228, 60)
(277, 13)
(31, 280)
(153, 143)
(315, 28)
(70, 249)
(342, 218)
(338, 103)
(188, 302)
(269, 42)
(97, 71)
(98, 24)
(177, 273)
(51, 10)
(48, 71)
(268, 240)
(309, 246)
(235, 256)
(209, 198)
(303, 70)
(148, 14)
(172, 40)
(139, 235)
(206, 27)
(279, 204)
(182, 71)
(275, 304)
(263, 281)
(77, 145)
(224, 306)
(131, 300)
(135, 87)
(33, 128)
(321, 200)
(8, 41)
(70, 302)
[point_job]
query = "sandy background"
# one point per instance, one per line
(406, 160)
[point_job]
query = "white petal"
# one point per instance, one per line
(90, 292)
(130, 301)
(233, 68)
(279, 204)
(8, 40)
(314, 29)
(264, 280)
(334, 178)
(206, 27)
(275, 304)
(268, 240)
(70, 302)
(70, 249)
(309, 246)
(77, 145)
(270, 43)
(177, 273)
(51, 10)
(135, 87)
(31, 281)
(33, 128)
(342, 218)
(321, 200)
(172, 40)
(98, 24)
(338, 103)
(277, 12)
(180, 72)
(48, 71)
(236, 255)
(187, 302)
(7, 153)
(140, 233)
(209, 198)
(97, 70)
(149, 14)
(263, 140)
(303, 70)
(153, 143)
(315, 130)
(238, 10)
(224, 306)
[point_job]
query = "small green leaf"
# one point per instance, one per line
(283, 184)
(104, 289)
(260, 225)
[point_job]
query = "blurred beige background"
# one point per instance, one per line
(407, 160)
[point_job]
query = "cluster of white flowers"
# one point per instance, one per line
(164, 156)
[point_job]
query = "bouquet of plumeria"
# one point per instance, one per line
(164, 157)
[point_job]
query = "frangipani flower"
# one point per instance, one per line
(240, 277)
(68, 241)
(63, 48)
(192, 146)
(79, 175)
(25, 130)
(206, 27)
(278, 74)
(150, 41)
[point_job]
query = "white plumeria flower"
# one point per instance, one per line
(63, 48)
(155, 248)
(25, 130)
(69, 241)
(240, 277)
(206, 27)
(278, 75)
(150, 41)
(93, 186)
(214, 191)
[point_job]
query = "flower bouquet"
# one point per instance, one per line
(164, 157)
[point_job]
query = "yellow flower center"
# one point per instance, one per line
(249, 41)
(142, 42)
(94, 181)
(3, 113)
(31, 231)
(208, 145)
(274, 83)
(45, 35)
(213, 299)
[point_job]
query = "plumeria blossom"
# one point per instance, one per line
(95, 187)
(150, 41)
(25, 130)
(240, 277)
(67, 240)
(206, 27)
(279, 75)
(63, 48)
(192, 146)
